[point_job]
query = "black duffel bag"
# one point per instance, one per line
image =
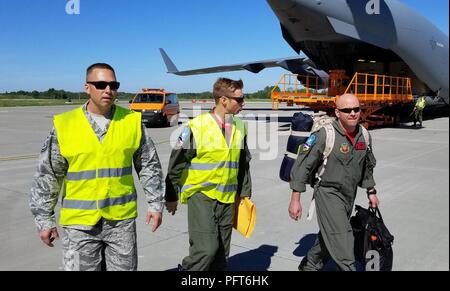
(371, 234)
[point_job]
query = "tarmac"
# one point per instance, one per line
(411, 174)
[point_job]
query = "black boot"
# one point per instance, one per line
(180, 268)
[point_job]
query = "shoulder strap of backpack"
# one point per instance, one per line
(329, 144)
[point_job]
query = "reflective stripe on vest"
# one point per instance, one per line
(209, 167)
(213, 171)
(92, 204)
(102, 173)
(222, 188)
(99, 182)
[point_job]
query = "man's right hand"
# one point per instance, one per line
(295, 206)
(48, 236)
(171, 207)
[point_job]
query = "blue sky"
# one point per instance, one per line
(42, 47)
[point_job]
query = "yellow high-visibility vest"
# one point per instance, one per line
(420, 104)
(99, 182)
(214, 170)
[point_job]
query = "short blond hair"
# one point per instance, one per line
(226, 87)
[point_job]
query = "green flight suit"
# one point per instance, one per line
(349, 166)
(210, 222)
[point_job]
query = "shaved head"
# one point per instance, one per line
(347, 99)
(348, 111)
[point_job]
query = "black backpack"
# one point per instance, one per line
(371, 234)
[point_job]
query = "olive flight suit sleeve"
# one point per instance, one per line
(47, 183)
(181, 155)
(149, 170)
(244, 178)
(367, 180)
(308, 160)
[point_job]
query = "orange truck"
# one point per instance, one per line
(158, 107)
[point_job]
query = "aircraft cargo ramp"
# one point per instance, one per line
(381, 97)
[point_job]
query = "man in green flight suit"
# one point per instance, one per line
(349, 165)
(208, 168)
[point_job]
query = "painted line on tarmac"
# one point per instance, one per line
(162, 142)
(16, 158)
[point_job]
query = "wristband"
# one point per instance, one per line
(371, 191)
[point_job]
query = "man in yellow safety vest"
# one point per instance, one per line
(208, 167)
(418, 111)
(89, 153)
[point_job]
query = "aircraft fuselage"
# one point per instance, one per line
(390, 39)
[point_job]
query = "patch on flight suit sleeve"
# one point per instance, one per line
(308, 144)
(183, 136)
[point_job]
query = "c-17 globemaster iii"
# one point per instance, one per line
(383, 37)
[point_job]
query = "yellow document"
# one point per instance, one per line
(245, 216)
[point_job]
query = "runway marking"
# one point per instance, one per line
(162, 142)
(16, 158)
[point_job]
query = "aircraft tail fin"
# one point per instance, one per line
(171, 68)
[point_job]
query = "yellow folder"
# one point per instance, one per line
(245, 216)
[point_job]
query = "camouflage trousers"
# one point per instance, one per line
(83, 249)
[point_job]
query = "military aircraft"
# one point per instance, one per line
(368, 36)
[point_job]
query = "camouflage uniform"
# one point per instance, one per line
(82, 245)
(348, 167)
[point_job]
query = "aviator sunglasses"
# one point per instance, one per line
(349, 110)
(101, 85)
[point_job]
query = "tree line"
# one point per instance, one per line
(52, 93)
(261, 94)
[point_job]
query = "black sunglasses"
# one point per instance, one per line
(349, 110)
(101, 85)
(237, 99)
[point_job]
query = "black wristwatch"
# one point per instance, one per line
(371, 191)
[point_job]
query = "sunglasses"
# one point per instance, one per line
(349, 110)
(101, 85)
(237, 99)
